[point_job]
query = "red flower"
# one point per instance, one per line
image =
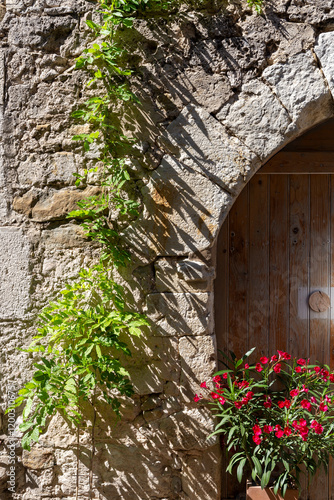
(287, 431)
(313, 400)
(294, 393)
(203, 384)
(197, 398)
(273, 358)
(267, 429)
(257, 430)
(305, 404)
(264, 360)
(284, 404)
(317, 369)
(257, 439)
(298, 369)
(301, 362)
(246, 366)
(216, 378)
(279, 433)
(225, 375)
(221, 400)
(249, 395)
(214, 395)
(277, 368)
(304, 435)
(258, 367)
(323, 407)
(238, 404)
(284, 355)
(318, 428)
(243, 384)
(301, 427)
(331, 377)
(305, 389)
(267, 403)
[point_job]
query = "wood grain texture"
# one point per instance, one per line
(239, 275)
(258, 304)
(298, 264)
(319, 278)
(331, 334)
(278, 264)
(314, 162)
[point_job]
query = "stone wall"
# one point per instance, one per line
(222, 90)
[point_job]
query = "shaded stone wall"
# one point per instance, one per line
(222, 90)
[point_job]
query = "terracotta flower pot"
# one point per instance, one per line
(256, 493)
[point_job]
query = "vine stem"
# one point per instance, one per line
(78, 464)
(93, 445)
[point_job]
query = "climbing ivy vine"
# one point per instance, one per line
(79, 335)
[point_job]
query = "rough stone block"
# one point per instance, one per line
(324, 48)
(201, 474)
(257, 118)
(40, 31)
(134, 469)
(39, 170)
(205, 146)
(189, 429)
(179, 314)
(183, 211)
(198, 363)
(15, 277)
(154, 361)
(301, 89)
(38, 458)
(55, 204)
(183, 275)
(66, 236)
(196, 85)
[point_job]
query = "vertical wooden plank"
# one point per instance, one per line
(298, 345)
(238, 290)
(258, 312)
(298, 265)
(319, 280)
(221, 290)
(319, 264)
(238, 276)
(331, 347)
(221, 316)
(278, 264)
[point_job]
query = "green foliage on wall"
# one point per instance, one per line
(79, 335)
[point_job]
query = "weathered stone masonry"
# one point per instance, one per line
(222, 91)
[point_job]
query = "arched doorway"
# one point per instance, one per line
(274, 251)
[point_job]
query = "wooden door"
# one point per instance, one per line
(274, 250)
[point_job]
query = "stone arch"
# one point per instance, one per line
(210, 160)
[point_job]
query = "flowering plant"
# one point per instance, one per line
(276, 415)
